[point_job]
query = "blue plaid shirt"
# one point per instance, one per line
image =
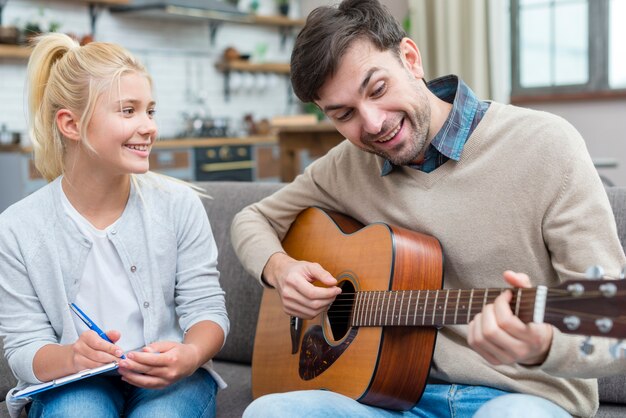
(467, 111)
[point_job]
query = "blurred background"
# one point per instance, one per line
(225, 107)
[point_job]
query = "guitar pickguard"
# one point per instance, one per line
(316, 355)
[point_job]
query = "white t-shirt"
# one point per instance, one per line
(105, 293)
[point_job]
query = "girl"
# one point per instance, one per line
(132, 249)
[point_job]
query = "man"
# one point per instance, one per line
(503, 189)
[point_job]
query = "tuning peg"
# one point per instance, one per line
(576, 289)
(594, 272)
(608, 290)
(618, 350)
(586, 348)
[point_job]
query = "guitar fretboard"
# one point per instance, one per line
(433, 307)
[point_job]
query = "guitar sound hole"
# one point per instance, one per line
(340, 310)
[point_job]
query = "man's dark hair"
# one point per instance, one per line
(327, 34)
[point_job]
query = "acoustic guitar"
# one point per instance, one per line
(375, 343)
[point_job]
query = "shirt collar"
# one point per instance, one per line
(452, 136)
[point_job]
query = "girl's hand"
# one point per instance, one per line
(90, 350)
(160, 364)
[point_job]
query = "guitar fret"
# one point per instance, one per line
(400, 310)
(485, 298)
(408, 308)
(372, 312)
(363, 307)
(370, 308)
(375, 307)
(355, 310)
(360, 297)
(380, 300)
(417, 304)
(425, 305)
(456, 309)
(382, 297)
(435, 306)
(469, 308)
(387, 311)
(364, 310)
(517, 302)
(445, 308)
(395, 299)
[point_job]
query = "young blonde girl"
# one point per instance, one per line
(132, 249)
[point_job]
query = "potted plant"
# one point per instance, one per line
(283, 7)
(39, 24)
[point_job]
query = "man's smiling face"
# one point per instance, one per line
(378, 101)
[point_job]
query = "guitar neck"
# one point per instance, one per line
(439, 307)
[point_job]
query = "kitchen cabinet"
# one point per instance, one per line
(174, 162)
(301, 144)
(253, 158)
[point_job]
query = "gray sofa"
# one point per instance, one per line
(243, 299)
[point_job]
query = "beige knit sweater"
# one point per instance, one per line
(524, 196)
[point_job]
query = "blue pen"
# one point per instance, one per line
(92, 326)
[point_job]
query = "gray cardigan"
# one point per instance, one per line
(167, 248)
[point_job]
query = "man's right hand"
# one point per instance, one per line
(294, 281)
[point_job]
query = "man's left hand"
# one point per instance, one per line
(502, 338)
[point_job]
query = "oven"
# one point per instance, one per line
(224, 162)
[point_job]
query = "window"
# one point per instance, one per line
(568, 47)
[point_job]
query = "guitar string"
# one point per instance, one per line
(344, 319)
(476, 297)
(439, 313)
(524, 308)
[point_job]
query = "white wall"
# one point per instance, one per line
(603, 125)
(178, 55)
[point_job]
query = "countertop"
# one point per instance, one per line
(179, 143)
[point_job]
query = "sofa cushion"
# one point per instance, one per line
(243, 293)
(232, 401)
(617, 197)
(613, 389)
(7, 381)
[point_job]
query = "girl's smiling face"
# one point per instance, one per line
(122, 128)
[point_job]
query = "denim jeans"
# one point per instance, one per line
(438, 401)
(109, 396)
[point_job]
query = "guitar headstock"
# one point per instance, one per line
(594, 307)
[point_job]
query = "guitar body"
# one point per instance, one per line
(381, 366)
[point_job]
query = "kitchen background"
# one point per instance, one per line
(197, 97)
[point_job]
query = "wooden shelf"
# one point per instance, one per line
(251, 67)
(14, 51)
(105, 2)
(164, 11)
(276, 21)
(228, 67)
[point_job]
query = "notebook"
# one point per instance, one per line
(84, 374)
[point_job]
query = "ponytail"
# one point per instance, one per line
(45, 136)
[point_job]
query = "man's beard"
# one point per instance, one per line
(413, 148)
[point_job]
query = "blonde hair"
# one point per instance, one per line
(64, 75)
